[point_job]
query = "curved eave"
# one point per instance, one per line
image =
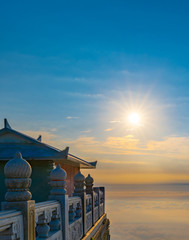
(82, 163)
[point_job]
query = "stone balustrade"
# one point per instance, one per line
(89, 217)
(96, 207)
(59, 218)
(47, 220)
(75, 208)
(75, 218)
(11, 225)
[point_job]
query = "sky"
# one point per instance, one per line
(73, 72)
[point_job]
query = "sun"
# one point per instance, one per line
(134, 118)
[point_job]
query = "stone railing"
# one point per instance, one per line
(96, 205)
(75, 218)
(59, 218)
(11, 225)
(89, 218)
(47, 220)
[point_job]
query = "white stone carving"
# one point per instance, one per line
(47, 217)
(76, 230)
(89, 220)
(17, 172)
(11, 225)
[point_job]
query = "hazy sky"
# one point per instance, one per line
(75, 70)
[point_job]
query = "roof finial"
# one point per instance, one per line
(6, 124)
(39, 138)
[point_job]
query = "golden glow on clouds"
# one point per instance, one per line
(108, 129)
(127, 159)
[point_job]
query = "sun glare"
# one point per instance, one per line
(134, 118)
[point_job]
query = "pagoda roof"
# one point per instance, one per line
(12, 141)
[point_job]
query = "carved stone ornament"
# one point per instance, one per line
(89, 221)
(89, 183)
(42, 228)
(17, 172)
(55, 222)
(76, 231)
(58, 181)
(72, 213)
(58, 174)
(79, 183)
(78, 210)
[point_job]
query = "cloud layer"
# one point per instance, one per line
(126, 159)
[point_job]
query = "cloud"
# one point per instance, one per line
(114, 121)
(108, 129)
(111, 145)
(71, 117)
(172, 146)
(125, 142)
(125, 159)
(47, 137)
(86, 131)
(53, 130)
(122, 162)
(85, 95)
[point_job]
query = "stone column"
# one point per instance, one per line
(58, 192)
(89, 190)
(79, 183)
(17, 172)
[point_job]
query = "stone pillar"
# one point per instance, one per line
(79, 183)
(89, 190)
(17, 172)
(58, 192)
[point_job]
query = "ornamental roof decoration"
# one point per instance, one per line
(12, 141)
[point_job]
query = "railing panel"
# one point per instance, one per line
(76, 229)
(101, 209)
(96, 214)
(75, 209)
(75, 218)
(48, 220)
(11, 225)
(96, 199)
(89, 221)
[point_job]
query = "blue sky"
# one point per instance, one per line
(74, 70)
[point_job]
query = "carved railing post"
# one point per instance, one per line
(79, 183)
(58, 192)
(42, 228)
(55, 222)
(17, 172)
(89, 190)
